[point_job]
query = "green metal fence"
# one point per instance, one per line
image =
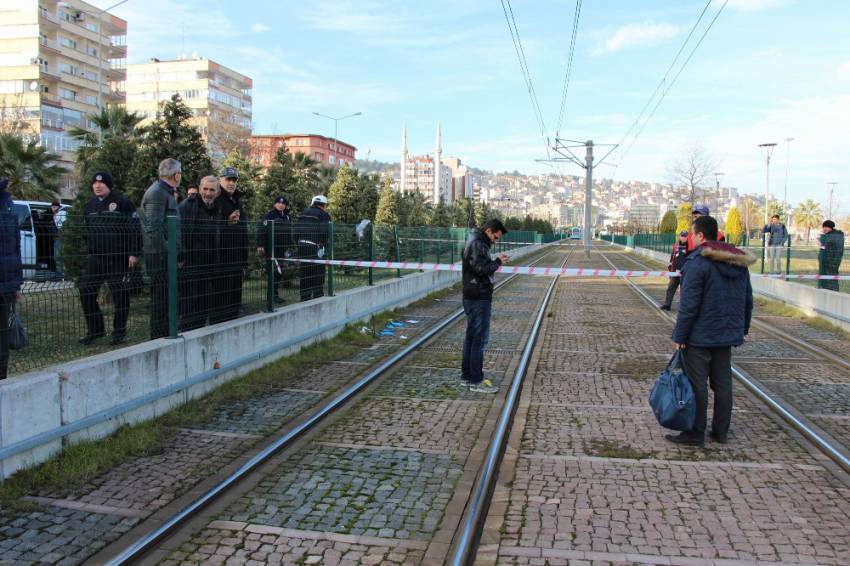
(207, 272)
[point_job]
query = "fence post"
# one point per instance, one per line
(173, 316)
(397, 250)
(371, 251)
(788, 257)
(330, 255)
(453, 246)
(439, 241)
(421, 244)
(270, 267)
(763, 250)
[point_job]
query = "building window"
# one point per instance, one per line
(91, 51)
(69, 69)
(67, 94)
(331, 159)
(67, 42)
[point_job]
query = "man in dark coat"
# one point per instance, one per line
(11, 270)
(715, 310)
(830, 254)
(278, 244)
(234, 248)
(312, 244)
(159, 204)
(677, 260)
(201, 221)
(113, 237)
(478, 270)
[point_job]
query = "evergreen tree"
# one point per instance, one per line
(249, 184)
(441, 215)
(388, 206)
(368, 191)
(415, 211)
(464, 213)
(280, 180)
(170, 135)
(483, 213)
(668, 223)
(343, 197)
(683, 218)
(734, 226)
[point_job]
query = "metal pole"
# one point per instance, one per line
(768, 149)
(330, 254)
(171, 223)
(831, 190)
(270, 267)
(99, 75)
(371, 251)
(787, 167)
(588, 196)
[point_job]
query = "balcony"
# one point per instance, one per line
(115, 73)
(46, 18)
(50, 98)
(49, 74)
(49, 44)
(52, 124)
(118, 47)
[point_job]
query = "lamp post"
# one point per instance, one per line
(787, 167)
(831, 191)
(717, 176)
(768, 151)
(336, 128)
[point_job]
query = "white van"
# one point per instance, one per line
(24, 210)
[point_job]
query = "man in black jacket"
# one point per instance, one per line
(113, 238)
(234, 248)
(478, 270)
(312, 244)
(201, 220)
(715, 310)
(677, 260)
(277, 244)
(830, 254)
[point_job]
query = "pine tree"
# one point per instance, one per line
(368, 190)
(668, 223)
(415, 211)
(388, 207)
(441, 215)
(280, 180)
(343, 197)
(734, 226)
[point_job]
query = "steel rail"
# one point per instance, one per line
(482, 490)
(145, 543)
(764, 396)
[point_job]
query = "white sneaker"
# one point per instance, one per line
(486, 386)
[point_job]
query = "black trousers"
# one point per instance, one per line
(711, 366)
(114, 274)
(157, 270)
(6, 301)
(227, 295)
(196, 297)
(671, 290)
(830, 284)
(312, 280)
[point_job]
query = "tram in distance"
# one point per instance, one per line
(575, 233)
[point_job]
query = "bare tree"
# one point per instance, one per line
(14, 118)
(692, 168)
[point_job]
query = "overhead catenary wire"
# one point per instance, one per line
(569, 68)
(664, 86)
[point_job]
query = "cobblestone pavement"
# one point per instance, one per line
(375, 485)
(69, 526)
(589, 477)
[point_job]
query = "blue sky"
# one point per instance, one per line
(769, 69)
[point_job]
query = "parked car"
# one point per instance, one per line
(35, 255)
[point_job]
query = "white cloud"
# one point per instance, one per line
(754, 5)
(350, 16)
(260, 28)
(844, 70)
(637, 35)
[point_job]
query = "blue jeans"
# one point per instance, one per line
(478, 315)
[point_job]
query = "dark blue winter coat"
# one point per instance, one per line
(11, 272)
(716, 303)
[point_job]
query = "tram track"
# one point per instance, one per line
(787, 411)
(145, 547)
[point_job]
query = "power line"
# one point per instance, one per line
(569, 69)
(663, 86)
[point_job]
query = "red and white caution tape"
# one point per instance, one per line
(539, 271)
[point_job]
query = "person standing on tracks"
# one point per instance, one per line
(677, 260)
(312, 244)
(715, 309)
(478, 270)
(776, 234)
(114, 245)
(701, 210)
(830, 254)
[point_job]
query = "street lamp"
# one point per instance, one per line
(831, 190)
(717, 176)
(336, 128)
(787, 166)
(768, 151)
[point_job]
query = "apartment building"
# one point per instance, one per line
(59, 62)
(326, 151)
(220, 98)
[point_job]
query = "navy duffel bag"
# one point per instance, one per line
(672, 397)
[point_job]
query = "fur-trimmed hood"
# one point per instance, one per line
(727, 253)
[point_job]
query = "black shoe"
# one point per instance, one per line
(89, 338)
(718, 438)
(685, 439)
(117, 339)
(664, 307)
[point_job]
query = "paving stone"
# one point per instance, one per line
(260, 415)
(819, 398)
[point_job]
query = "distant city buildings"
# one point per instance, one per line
(59, 63)
(326, 151)
(437, 178)
(220, 98)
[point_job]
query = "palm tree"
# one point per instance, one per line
(113, 122)
(808, 215)
(32, 171)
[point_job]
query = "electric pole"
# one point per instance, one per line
(768, 151)
(831, 191)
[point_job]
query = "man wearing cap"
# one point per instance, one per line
(234, 248)
(677, 260)
(11, 270)
(113, 239)
(701, 210)
(830, 254)
(158, 204)
(312, 242)
(277, 244)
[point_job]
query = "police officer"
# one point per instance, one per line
(312, 242)
(281, 222)
(234, 247)
(677, 261)
(114, 243)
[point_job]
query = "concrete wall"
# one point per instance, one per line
(831, 305)
(40, 412)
